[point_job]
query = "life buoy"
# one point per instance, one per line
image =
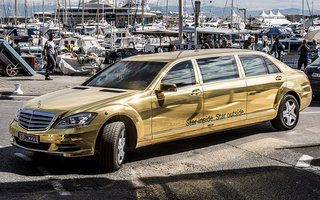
(131, 43)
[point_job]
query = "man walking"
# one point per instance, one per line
(278, 49)
(49, 56)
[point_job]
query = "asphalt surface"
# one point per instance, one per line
(33, 86)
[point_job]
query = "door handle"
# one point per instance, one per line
(195, 92)
(278, 78)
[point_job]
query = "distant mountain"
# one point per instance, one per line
(219, 11)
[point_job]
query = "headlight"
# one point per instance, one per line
(81, 119)
(16, 116)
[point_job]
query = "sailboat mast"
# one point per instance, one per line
(1, 16)
(102, 10)
(15, 12)
(231, 15)
(42, 17)
(142, 19)
(65, 12)
(82, 20)
(303, 15)
(26, 12)
(98, 20)
(59, 17)
(167, 25)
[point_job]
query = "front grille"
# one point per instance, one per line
(40, 146)
(68, 147)
(35, 120)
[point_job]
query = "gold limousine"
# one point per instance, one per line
(154, 98)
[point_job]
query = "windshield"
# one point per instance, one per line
(134, 75)
(316, 62)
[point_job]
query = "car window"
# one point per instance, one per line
(135, 75)
(182, 74)
(218, 68)
(272, 68)
(316, 62)
(253, 65)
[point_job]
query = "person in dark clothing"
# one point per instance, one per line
(203, 44)
(172, 47)
(304, 55)
(277, 49)
(249, 44)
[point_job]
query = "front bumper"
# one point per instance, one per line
(76, 142)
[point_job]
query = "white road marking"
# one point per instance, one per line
(57, 186)
(304, 161)
(136, 182)
(314, 112)
(15, 101)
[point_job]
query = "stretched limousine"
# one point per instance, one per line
(154, 98)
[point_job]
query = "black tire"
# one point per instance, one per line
(112, 146)
(288, 114)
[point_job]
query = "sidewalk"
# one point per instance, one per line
(33, 86)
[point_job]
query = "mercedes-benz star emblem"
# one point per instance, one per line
(39, 104)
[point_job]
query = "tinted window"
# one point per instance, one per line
(272, 68)
(181, 74)
(135, 75)
(218, 68)
(253, 65)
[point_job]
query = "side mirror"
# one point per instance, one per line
(168, 87)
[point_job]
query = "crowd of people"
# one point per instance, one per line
(277, 49)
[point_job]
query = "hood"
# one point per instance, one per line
(80, 97)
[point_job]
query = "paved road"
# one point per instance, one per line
(32, 86)
(255, 162)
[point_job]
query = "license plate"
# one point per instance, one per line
(315, 75)
(29, 138)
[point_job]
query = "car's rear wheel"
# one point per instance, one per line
(112, 146)
(288, 114)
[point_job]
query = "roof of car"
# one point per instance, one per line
(171, 56)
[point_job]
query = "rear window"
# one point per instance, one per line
(134, 75)
(272, 68)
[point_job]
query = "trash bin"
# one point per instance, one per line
(113, 56)
(31, 60)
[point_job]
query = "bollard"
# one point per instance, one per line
(18, 89)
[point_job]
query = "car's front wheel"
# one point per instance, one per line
(112, 146)
(288, 114)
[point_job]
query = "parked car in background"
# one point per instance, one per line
(313, 73)
(147, 99)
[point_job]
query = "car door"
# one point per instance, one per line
(178, 111)
(264, 80)
(224, 91)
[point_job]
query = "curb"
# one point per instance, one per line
(17, 97)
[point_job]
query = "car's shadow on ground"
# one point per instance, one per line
(247, 183)
(89, 165)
